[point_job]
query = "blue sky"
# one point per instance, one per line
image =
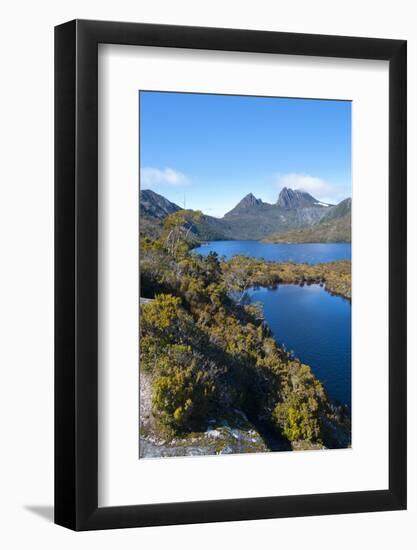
(214, 149)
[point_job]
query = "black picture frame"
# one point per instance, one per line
(76, 272)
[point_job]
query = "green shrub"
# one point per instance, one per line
(298, 419)
(163, 322)
(183, 390)
(207, 353)
(298, 415)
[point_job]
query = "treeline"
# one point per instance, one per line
(209, 352)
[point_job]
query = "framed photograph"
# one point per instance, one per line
(230, 247)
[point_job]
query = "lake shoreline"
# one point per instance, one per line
(197, 342)
(310, 253)
(301, 284)
(290, 310)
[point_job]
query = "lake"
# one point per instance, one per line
(307, 320)
(316, 326)
(311, 253)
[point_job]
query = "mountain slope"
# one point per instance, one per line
(333, 231)
(154, 208)
(248, 203)
(290, 199)
(334, 226)
(341, 209)
(253, 219)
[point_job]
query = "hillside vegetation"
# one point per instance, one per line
(334, 227)
(246, 272)
(330, 231)
(208, 355)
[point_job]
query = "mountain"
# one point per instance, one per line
(251, 218)
(154, 208)
(254, 219)
(247, 203)
(334, 226)
(290, 199)
(344, 208)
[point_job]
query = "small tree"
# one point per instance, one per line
(178, 227)
(238, 277)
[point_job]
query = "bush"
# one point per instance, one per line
(208, 354)
(298, 419)
(183, 391)
(163, 322)
(299, 414)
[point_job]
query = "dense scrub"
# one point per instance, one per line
(209, 352)
(244, 272)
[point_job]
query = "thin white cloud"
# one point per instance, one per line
(154, 177)
(317, 187)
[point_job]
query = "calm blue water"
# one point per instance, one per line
(307, 320)
(316, 326)
(302, 253)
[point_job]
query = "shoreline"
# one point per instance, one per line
(220, 332)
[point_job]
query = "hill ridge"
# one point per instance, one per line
(253, 219)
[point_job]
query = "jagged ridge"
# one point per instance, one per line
(250, 219)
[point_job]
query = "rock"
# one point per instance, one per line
(213, 433)
(233, 435)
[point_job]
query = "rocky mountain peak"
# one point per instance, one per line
(290, 199)
(248, 202)
(156, 205)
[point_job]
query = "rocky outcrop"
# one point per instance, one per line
(156, 206)
(290, 199)
(232, 436)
